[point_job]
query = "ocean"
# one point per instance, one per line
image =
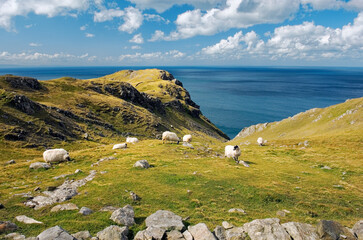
(237, 97)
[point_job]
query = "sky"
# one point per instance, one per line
(181, 33)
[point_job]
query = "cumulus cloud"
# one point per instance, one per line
(137, 57)
(35, 44)
(155, 18)
(107, 15)
(83, 28)
(90, 35)
(334, 4)
(138, 39)
(50, 8)
(135, 47)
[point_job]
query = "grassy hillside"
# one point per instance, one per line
(282, 174)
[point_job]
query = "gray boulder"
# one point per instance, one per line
(186, 144)
(7, 226)
(63, 207)
(227, 225)
(39, 165)
(201, 232)
(331, 230)
(301, 231)
(140, 235)
(27, 220)
(85, 211)
(113, 233)
(220, 233)
(142, 164)
(124, 216)
(15, 236)
(237, 233)
(154, 233)
(268, 228)
(187, 235)
(358, 229)
(55, 233)
(174, 235)
(83, 235)
(166, 220)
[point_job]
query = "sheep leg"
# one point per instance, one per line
(236, 159)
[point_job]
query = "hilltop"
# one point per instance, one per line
(310, 169)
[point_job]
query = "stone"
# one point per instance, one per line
(236, 210)
(10, 162)
(7, 226)
(83, 235)
(55, 233)
(174, 235)
(78, 171)
(201, 232)
(63, 207)
(134, 197)
(187, 235)
(301, 231)
(220, 233)
(27, 220)
(63, 192)
(331, 230)
(39, 165)
(142, 164)
(358, 229)
(166, 220)
(31, 238)
(268, 228)
(108, 209)
(124, 216)
(154, 233)
(281, 213)
(113, 232)
(140, 235)
(237, 233)
(326, 167)
(15, 236)
(186, 144)
(227, 225)
(25, 83)
(85, 211)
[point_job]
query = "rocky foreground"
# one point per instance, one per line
(164, 224)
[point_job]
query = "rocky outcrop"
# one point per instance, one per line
(251, 130)
(64, 207)
(301, 231)
(25, 105)
(24, 83)
(331, 230)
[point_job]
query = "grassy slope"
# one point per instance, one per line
(287, 177)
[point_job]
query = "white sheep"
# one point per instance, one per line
(132, 140)
(260, 141)
(120, 146)
(170, 136)
(187, 138)
(56, 155)
(232, 152)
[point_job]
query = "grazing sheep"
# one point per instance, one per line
(56, 155)
(170, 136)
(132, 140)
(120, 146)
(232, 152)
(260, 141)
(187, 138)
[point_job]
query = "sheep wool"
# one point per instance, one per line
(187, 138)
(232, 152)
(170, 136)
(120, 146)
(260, 141)
(132, 140)
(56, 155)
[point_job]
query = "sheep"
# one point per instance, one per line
(187, 138)
(56, 155)
(260, 141)
(233, 152)
(170, 136)
(132, 140)
(120, 146)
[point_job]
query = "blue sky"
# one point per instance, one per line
(181, 32)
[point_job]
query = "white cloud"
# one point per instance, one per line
(334, 4)
(133, 20)
(155, 18)
(35, 44)
(225, 45)
(83, 28)
(90, 35)
(157, 56)
(107, 15)
(138, 39)
(28, 26)
(135, 47)
(50, 8)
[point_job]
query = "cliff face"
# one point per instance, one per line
(142, 103)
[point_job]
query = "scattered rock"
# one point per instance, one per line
(166, 220)
(83, 235)
(10, 162)
(331, 230)
(63, 207)
(78, 171)
(186, 144)
(27, 220)
(140, 235)
(85, 211)
(60, 176)
(237, 233)
(187, 235)
(227, 225)
(124, 216)
(154, 233)
(142, 164)
(64, 192)
(358, 229)
(201, 232)
(7, 226)
(39, 165)
(326, 167)
(301, 231)
(134, 197)
(113, 232)
(15, 236)
(108, 209)
(236, 210)
(174, 235)
(281, 213)
(55, 233)
(220, 233)
(268, 228)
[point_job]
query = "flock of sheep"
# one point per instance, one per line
(61, 155)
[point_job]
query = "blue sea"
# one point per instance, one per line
(237, 97)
